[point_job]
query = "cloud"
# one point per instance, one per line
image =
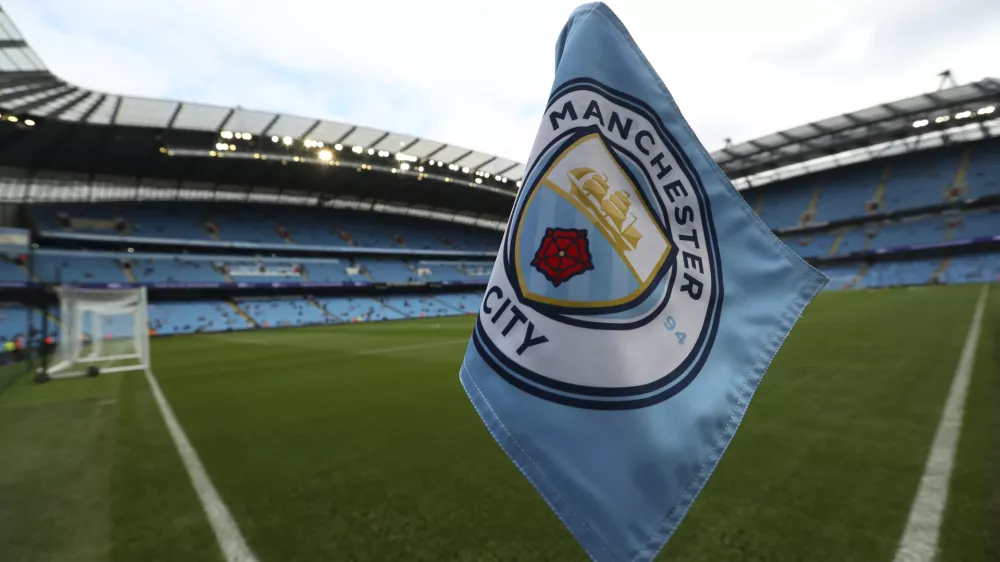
(477, 74)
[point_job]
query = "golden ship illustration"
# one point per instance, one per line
(607, 209)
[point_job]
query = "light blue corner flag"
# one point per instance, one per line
(635, 304)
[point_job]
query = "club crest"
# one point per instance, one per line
(610, 240)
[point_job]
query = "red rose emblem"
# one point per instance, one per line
(563, 254)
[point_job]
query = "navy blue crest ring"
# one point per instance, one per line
(608, 290)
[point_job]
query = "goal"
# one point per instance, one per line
(101, 331)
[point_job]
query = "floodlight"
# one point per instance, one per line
(338, 146)
(325, 155)
(226, 134)
(982, 111)
(274, 138)
(31, 122)
(287, 141)
(963, 114)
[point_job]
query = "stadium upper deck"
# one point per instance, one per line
(50, 126)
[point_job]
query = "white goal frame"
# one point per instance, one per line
(74, 305)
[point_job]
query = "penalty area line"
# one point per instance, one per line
(920, 538)
(234, 546)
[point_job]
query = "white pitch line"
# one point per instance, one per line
(409, 347)
(920, 539)
(234, 546)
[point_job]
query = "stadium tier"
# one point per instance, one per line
(901, 183)
(257, 224)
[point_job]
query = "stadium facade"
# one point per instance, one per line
(240, 219)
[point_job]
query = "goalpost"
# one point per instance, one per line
(101, 331)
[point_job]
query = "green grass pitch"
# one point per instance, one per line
(357, 443)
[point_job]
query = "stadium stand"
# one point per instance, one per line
(906, 192)
(900, 183)
(262, 224)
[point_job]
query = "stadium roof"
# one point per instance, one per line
(95, 133)
(29, 89)
(882, 123)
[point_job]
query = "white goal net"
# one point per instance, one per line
(101, 331)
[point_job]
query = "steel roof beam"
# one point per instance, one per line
(375, 142)
(46, 87)
(461, 157)
(173, 117)
(86, 115)
(309, 131)
(438, 149)
(70, 104)
(267, 129)
(43, 100)
(408, 145)
(345, 135)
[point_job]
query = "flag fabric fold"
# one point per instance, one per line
(634, 306)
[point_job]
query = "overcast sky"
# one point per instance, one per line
(477, 73)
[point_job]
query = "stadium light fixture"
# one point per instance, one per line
(319, 144)
(503, 180)
(518, 184)
(371, 151)
(404, 166)
(239, 136)
(325, 155)
(130, 250)
(394, 170)
(963, 114)
(338, 146)
(232, 147)
(479, 180)
(920, 123)
(221, 146)
(226, 134)
(274, 138)
(12, 118)
(440, 163)
(287, 141)
(405, 157)
(247, 136)
(357, 149)
(941, 119)
(31, 122)
(307, 143)
(256, 155)
(982, 110)
(211, 153)
(465, 170)
(295, 159)
(496, 178)
(431, 162)
(453, 167)
(420, 169)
